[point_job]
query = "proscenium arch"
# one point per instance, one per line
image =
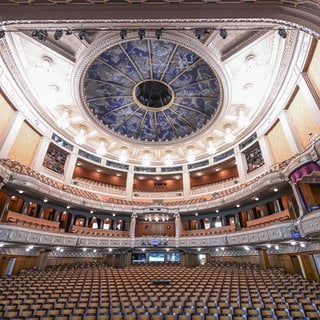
(299, 16)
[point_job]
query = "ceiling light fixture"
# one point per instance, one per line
(63, 121)
(123, 157)
(146, 161)
(40, 34)
(229, 137)
(158, 34)
(200, 33)
(168, 159)
(141, 33)
(211, 149)
(123, 34)
(82, 34)
(58, 34)
(81, 137)
(190, 154)
(223, 33)
(101, 150)
(282, 33)
(243, 120)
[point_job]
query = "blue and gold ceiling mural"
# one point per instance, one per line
(151, 90)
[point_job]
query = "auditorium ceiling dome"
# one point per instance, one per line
(126, 94)
(151, 90)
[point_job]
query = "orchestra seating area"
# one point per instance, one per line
(158, 291)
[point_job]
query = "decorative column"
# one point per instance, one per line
(265, 150)
(10, 135)
(291, 136)
(43, 259)
(311, 96)
(41, 212)
(129, 183)
(264, 259)
(40, 154)
(69, 167)
(25, 206)
(241, 164)
(298, 197)
(186, 182)
(133, 222)
(178, 227)
(177, 223)
(237, 221)
(71, 223)
(5, 208)
(86, 222)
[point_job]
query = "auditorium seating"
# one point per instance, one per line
(215, 291)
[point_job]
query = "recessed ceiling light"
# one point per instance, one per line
(256, 198)
(238, 205)
(20, 191)
(45, 200)
(68, 207)
(275, 190)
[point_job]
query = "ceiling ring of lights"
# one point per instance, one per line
(191, 79)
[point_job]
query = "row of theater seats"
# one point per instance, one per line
(216, 183)
(158, 292)
(92, 184)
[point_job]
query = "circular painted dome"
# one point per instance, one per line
(151, 90)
